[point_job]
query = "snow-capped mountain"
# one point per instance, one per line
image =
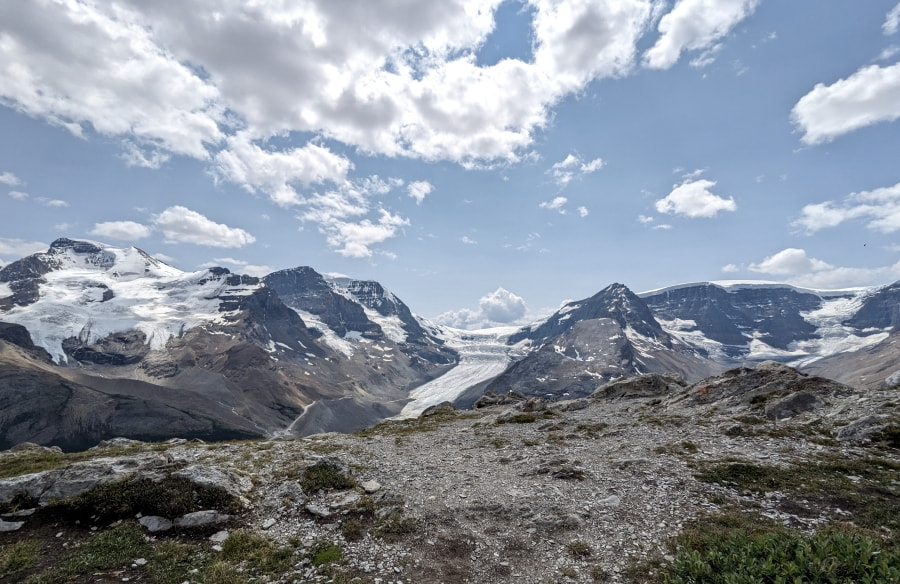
(734, 322)
(210, 345)
(589, 342)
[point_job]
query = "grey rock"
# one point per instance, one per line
(534, 404)
(611, 501)
(441, 408)
(117, 443)
(794, 404)
(207, 476)
(155, 524)
(640, 386)
(10, 525)
(862, 429)
(219, 536)
(318, 510)
(269, 523)
(201, 518)
(571, 405)
(32, 447)
(77, 478)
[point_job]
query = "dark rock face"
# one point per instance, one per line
(305, 289)
(24, 278)
(125, 348)
(614, 302)
(730, 317)
(18, 335)
(879, 311)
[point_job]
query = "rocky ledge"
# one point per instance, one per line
(516, 490)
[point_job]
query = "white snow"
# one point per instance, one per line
(733, 285)
(482, 355)
(5, 290)
(148, 295)
(329, 337)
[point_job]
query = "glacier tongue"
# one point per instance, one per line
(482, 356)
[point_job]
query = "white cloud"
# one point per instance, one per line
(662, 226)
(573, 167)
(419, 189)
(384, 77)
(275, 172)
(694, 25)
(61, 227)
(499, 307)
(468, 240)
(123, 230)
(795, 267)
(583, 211)
(869, 96)
(17, 248)
(645, 219)
(888, 53)
(182, 225)
(557, 204)
(100, 65)
(694, 199)
(18, 195)
(730, 268)
(10, 179)
(47, 202)
(891, 21)
(880, 206)
(354, 239)
(790, 262)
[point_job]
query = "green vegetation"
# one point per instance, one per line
(324, 553)
(169, 497)
(258, 554)
(578, 549)
(415, 425)
(325, 476)
(865, 487)
(115, 548)
(17, 463)
(779, 555)
(18, 556)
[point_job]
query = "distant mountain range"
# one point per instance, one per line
(99, 341)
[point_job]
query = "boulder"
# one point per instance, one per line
(207, 476)
(794, 404)
(653, 385)
(441, 408)
(201, 519)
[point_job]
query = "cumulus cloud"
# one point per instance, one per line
(17, 248)
(730, 268)
(123, 230)
(497, 308)
(573, 167)
(419, 189)
(693, 198)
(795, 267)
(557, 204)
(468, 240)
(18, 195)
(246, 163)
(869, 96)
(353, 239)
(182, 225)
(10, 179)
(881, 207)
(48, 202)
(583, 211)
(694, 25)
(891, 21)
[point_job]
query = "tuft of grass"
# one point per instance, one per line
(415, 425)
(325, 476)
(394, 527)
(324, 553)
(578, 549)
(115, 548)
(352, 529)
(598, 574)
(169, 497)
(18, 556)
(259, 554)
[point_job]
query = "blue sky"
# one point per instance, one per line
(484, 160)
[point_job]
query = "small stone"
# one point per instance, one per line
(611, 501)
(10, 525)
(140, 562)
(268, 523)
(219, 536)
(318, 510)
(200, 518)
(155, 524)
(370, 486)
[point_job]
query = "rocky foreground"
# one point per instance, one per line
(607, 488)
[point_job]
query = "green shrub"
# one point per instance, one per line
(324, 553)
(779, 555)
(324, 476)
(18, 556)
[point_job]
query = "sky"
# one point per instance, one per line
(486, 160)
